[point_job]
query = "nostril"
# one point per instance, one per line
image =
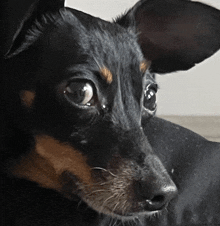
(156, 203)
(158, 199)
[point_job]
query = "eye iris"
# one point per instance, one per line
(79, 93)
(150, 99)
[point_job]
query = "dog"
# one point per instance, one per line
(79, 141)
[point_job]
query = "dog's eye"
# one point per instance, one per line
(80, 93)
(150, 98)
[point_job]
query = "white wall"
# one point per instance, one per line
(196, 92)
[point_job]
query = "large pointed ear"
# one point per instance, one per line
(174, 34)
(17, 16)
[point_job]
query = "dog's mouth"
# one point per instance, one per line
(117, 196)
(124, 209)
(133, 217)
(138, 213)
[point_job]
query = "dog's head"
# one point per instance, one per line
(80, 87)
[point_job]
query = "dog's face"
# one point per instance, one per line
(89, 93)
(81, 87)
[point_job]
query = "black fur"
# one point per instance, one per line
(72, 157)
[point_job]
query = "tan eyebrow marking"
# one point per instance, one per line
(49, 160)
(106, 74)
(144, 65)
(27, 97)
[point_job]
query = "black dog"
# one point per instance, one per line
(77, 97)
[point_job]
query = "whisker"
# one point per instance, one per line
(100, 168)
(98, 183)
(108, 199)
(138, 220)
(79, 203)
(123, 207)
(101, 190)
(115, 206)
(115, 222)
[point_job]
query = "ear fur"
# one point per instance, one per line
(174, 34)
(16, 18)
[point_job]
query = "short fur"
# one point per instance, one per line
(79, 143)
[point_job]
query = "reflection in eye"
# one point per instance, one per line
(80, 93)
(150, 98)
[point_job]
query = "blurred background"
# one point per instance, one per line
(190, 98)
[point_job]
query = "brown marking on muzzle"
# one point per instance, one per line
(144, 66)
(27, 98)
(49, 160)
(106, 74)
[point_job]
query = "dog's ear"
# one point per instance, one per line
(174, 34)
(17, 17)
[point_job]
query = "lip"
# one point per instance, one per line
(141, 214)
(143, 206)
(136, 216)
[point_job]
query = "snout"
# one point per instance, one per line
(153, 196)
(127, 189)
(155, 188)
(126, 178)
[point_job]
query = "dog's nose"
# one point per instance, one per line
(155, 197)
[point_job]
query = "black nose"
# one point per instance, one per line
(155, 197)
